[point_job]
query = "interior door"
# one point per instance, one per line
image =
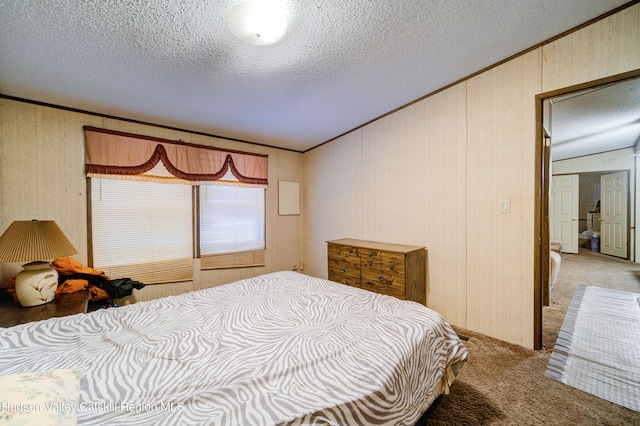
(613, 209)
(563, 211)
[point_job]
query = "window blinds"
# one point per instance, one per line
(142, 230)
(231, 219)
(232, 226)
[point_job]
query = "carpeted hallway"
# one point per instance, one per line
(585, 268)
(504, 384)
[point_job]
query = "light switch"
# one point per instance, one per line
(505, 206)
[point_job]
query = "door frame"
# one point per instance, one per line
(541, 197)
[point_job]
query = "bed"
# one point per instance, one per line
(278, 349)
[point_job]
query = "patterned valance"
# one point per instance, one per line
(110, 152)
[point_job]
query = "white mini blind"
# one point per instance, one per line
(232, 219)
(142, 230)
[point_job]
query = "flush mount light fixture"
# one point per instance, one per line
(257, 22)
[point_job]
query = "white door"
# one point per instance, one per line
(613, 217)
(563, 211)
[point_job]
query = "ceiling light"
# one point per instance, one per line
(258, 23)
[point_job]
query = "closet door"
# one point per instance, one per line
(563, 211)
(614, 213)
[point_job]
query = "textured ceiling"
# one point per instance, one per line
(342, 63)
(598, 120)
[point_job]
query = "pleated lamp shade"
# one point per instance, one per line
(34, 241)
(28, 240)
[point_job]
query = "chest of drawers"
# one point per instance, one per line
(393, 269)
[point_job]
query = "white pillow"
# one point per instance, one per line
(40, 398)
(556, 260)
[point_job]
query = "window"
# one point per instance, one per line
(232, 226)
(142, 230)
(143, 206)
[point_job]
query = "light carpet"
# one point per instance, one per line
(598, 346)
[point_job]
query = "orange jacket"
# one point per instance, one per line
(68, 266)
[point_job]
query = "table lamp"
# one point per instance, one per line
(31, 241)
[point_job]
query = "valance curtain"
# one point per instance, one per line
(110, 152)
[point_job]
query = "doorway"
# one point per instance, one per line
(590, 205)
(574, 147)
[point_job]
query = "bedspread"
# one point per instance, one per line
(282, 348)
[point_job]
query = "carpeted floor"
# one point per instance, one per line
(504, 384)
(585, 268)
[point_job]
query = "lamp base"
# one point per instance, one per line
(36, 284)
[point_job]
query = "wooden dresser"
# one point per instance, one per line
(393, 269)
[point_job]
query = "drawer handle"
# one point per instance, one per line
(384, 280)
(343, 270)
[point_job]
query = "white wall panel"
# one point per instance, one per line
(332, 198)
(414, 193)
(501, 167)
(605, 48)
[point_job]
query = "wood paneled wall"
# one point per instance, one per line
(42, 177)
(606, 48)
(416, 180)
(620, 159)
(333, 198)
(435, 174)
(501, 164)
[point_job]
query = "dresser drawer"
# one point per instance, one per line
(342, 275)
(383, 272)
(344, 265)
(389, 285)
(344, 253)
(384, 262)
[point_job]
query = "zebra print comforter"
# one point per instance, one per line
(279, 349)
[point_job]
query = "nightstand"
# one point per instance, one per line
(11, 313)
